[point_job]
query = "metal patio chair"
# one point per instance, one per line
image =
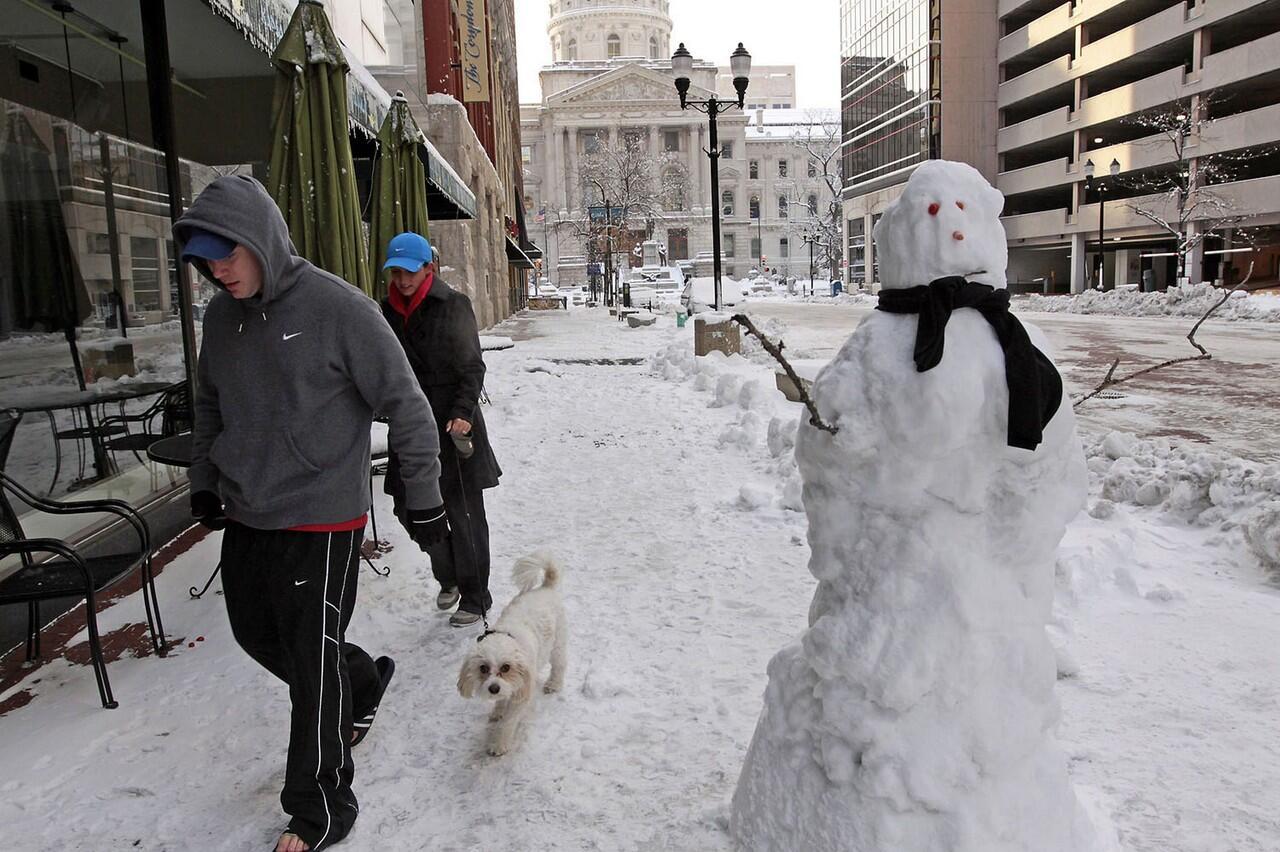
(68, 572)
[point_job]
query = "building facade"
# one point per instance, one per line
(485, 256)
(1150, 96)
(1090, 83)
(772, 87)
(611, 81)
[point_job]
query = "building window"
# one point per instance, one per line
(678, 244)
(653, 48)
(726, 203)
(728, 248)
(526, 154)
(754, 207)
(146, 273)
(726, 151)
(590, 143)
(784, 247)
(753, 170)
(755, 248)
(671, 141)
(571, 50)
(813, 169)
(782, 207)
(673, 194)
(614, 46)
(782, 168)
(813, 204)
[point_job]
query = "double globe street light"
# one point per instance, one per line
(1089, 183)
(740, 65)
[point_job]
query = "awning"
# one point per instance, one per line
(516, 257)
(262, 24)
(447, 196)
(532, 251)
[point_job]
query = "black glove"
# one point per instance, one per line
(428, 527)
(207, 509)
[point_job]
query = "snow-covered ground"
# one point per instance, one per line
(1187, 300)
(667, 486)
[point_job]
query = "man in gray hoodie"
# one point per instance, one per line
(293, 364)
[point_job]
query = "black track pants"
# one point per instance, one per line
(289, 598)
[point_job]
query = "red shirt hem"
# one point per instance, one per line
(345, 526)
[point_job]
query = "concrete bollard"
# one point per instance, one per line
(716, 332)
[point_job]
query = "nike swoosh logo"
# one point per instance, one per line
(299, 582)
(290, 336)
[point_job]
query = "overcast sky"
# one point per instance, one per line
(803, 33)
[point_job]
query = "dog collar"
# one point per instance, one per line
(488, 633)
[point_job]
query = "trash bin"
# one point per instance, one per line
(836, 287)
(681, 316)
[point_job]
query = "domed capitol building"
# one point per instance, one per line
(610, 85)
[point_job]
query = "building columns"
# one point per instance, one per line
(869, 254)
(1079, 252)
(1195, 258)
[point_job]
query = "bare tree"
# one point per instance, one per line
(819, 139)
(1183, 194)
(624, 189)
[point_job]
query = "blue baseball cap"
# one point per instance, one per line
(408, 251)
(206, 245)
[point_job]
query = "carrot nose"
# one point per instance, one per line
(956, 235)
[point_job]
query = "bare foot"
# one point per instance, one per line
(290, 842)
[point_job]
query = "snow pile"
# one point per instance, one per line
(917, 711)
(765, 416)
(1187, 300)
(1199, 486)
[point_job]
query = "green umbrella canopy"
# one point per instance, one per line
(399, 187)
(311, 175)
(49, 291)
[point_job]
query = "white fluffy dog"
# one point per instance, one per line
(506, 661)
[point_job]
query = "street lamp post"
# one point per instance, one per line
(1102, 206)
(682, 65)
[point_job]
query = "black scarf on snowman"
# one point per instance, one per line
(1035, 388)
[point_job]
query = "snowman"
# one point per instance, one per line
(916, 713)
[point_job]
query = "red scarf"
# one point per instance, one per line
(405, 308)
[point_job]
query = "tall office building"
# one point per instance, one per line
(918, 82)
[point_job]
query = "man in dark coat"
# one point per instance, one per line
(437, 328)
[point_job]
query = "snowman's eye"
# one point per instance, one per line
(960, 204)
(934, 208)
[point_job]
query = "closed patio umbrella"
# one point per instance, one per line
(399, 201)
(48, 290)
(311, 175)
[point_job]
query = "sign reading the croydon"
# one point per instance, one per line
(475, 52)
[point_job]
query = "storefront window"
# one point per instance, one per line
(89, 279)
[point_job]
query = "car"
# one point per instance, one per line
(700, 294)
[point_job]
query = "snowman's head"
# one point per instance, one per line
(946, 222)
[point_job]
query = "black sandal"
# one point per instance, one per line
(386, 668)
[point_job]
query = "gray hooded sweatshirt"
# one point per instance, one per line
(289, 381)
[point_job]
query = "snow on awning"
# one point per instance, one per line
(263, 22)
(447, 196)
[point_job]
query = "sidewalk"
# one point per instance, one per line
(660, 484)
(676, 600)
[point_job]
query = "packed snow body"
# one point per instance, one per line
(917, 711)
